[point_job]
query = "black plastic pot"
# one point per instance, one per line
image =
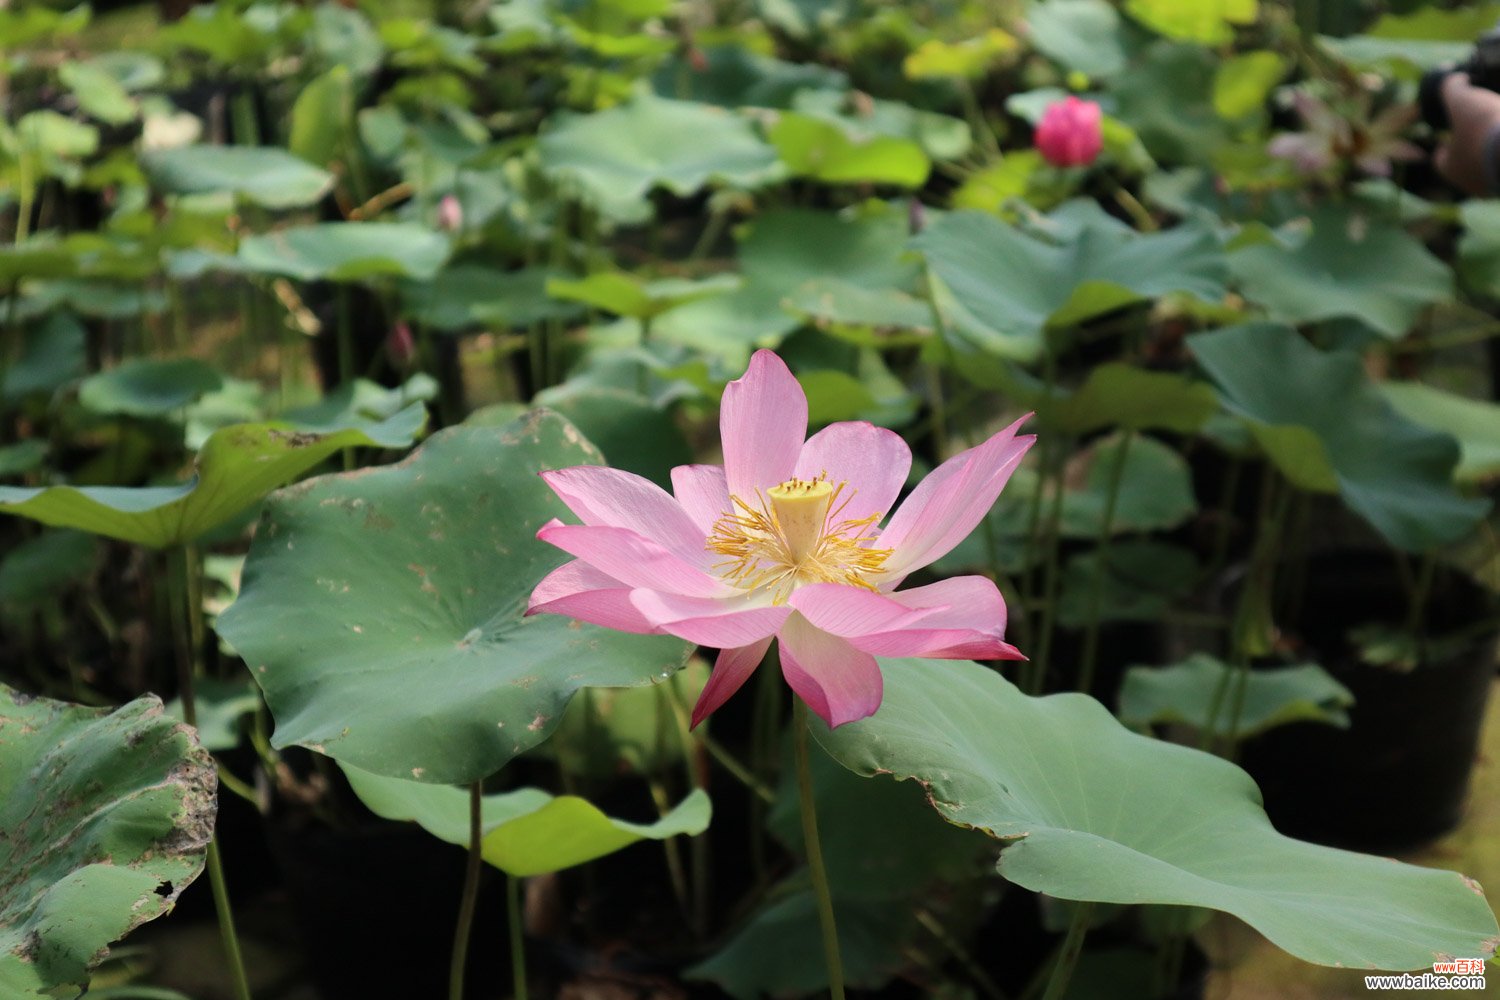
(1399, 775)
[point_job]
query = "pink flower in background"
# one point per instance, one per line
(784, 541)
(400, 345)
(1069, 134)
(1371, 144)
(450, 213)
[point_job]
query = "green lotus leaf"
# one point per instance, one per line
(237, 401)
(469, 295)
(35, 571)
(347, 251)
(941, 137)
(135, 71)
(36, 257)
(616, 157)
(1155, 491)
(1425, 38)
(345, 37)
(53, 354)
(219, 706)
(826, 151)
(785, 252)
(1136, 580)
(1310, 409)
(148, 387)
(265, 175)
(1092, 811)
(967, 59)
(1476, 424)
(527, 831)
(624, 294)
(321, 124)
(21, 26)
(1120, 395)
(840, 305)
(1479, 247)
(98, 93)
(870, 937)
(224, 35)
(56, 140)
(1210, 22)
(1350, 266)
(1243, 83)
(237, 466)
(1167, 98)
(1186, 693)
(632, 432)
(363, 404)
(106, 818)
(1003, 288)
(382, 611)
(22, 457)
(1085, 36)
(732, 76)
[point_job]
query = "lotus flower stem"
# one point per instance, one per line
(242, 115)
(182, 576)
(935, 372)
(814, 850)
(955, 947)
(1222, 532)
(345, 335)
(1067, 957)
(695, 755)
(1169, 968)
(672, 851)
(226, 922)
(672, 846)
(977, 122)
(471, 893)
(1415, 619)
(716, 750)
(26, 202)
(517, 937)
(1254, 598)
(765, 726)
(1140, 214)
(1096, 593)
(1037, 670)
(1053, 455)
(710, 235)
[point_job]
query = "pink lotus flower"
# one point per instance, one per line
(1372, 144)
(1069, 134)
(783, 541)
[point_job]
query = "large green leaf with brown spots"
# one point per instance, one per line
(105, 818)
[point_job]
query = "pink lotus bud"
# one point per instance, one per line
(1069, 134)
(400, 346)
(450, 214)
